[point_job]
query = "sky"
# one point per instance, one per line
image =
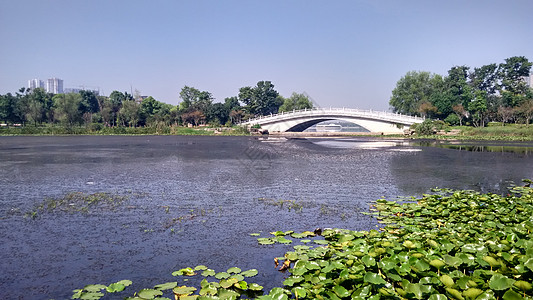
(340, 53)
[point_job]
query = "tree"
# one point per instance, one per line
(411, 91)
(128, 114)
(461, 113)
(526, 110)
(295, 102)
(89, 102)
(457, 87)
(478, 107)
(10, 110)
(232, 103)
(189, 95)
(218, 113)
(485, 78)
(511, 73)
(66, 107)
(427, 109)
(39, 105)
(505, 113)
(261, 99)
(193, 116)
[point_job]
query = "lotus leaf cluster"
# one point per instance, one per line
(447, 245)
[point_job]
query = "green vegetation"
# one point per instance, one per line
(491, 93)
(494, 131)
(446, 245)
(77, 202)
(37, 112)
(161, 129)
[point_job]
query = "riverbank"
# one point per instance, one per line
(496, 132)
(160, 130)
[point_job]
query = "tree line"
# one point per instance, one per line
(490, 93)
(37, 107)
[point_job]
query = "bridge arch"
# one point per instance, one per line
(373, 121)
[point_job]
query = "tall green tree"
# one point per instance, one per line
(413, 89)
(512, 87)
(296, 102)
(128, 115)
(39, 105)
(261, 99)
(66, 108)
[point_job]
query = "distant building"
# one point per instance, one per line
(35, 83)
(54, 86)
(77, 90)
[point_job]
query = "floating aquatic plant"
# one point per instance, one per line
(445, 245)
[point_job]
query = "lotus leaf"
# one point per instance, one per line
(228, 294)
(239, 277)
(183, 290)
(200, 268)
(94, 287)
(91, 296)
(447, 281)
(149, 293)
(234, 270)
(166, 286)
(472, 293)
(437, 297)
(512, 295)
(523, 285)
(500, 282)
(455, 293)
(283, 240)
(529, 262)
(226, 283)
(321, 242)
(221, 275)
(265, 241)
(211, 290)
(184, 271)
(208, 272)
(374, 278)
(249, 273)
(254, 287)
(278, 233)
(368, 261)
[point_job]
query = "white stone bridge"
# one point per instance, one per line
(299, 120)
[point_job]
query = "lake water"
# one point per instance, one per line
(195, 200)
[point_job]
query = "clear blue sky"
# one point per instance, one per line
(341, 53)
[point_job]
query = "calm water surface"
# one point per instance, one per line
(195, 200)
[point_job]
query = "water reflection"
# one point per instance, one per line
(525, 148)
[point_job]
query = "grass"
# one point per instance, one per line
(98, 130)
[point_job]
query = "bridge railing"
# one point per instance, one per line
(384, 115)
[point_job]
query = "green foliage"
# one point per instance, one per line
(295, 102)
(77, 202)
(446, 245)
(260, 100)
(425, 128)
(488, 93)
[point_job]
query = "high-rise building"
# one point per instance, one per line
(35, 83)
(54, 86)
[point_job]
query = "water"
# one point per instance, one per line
(195, 200)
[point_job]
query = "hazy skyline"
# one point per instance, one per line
(341, 53)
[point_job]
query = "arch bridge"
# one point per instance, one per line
(299, 120)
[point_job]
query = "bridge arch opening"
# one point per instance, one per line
(341, 122)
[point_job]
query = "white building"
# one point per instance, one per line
(54, 86)
(35, 83)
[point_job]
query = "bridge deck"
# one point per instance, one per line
(340, 112)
